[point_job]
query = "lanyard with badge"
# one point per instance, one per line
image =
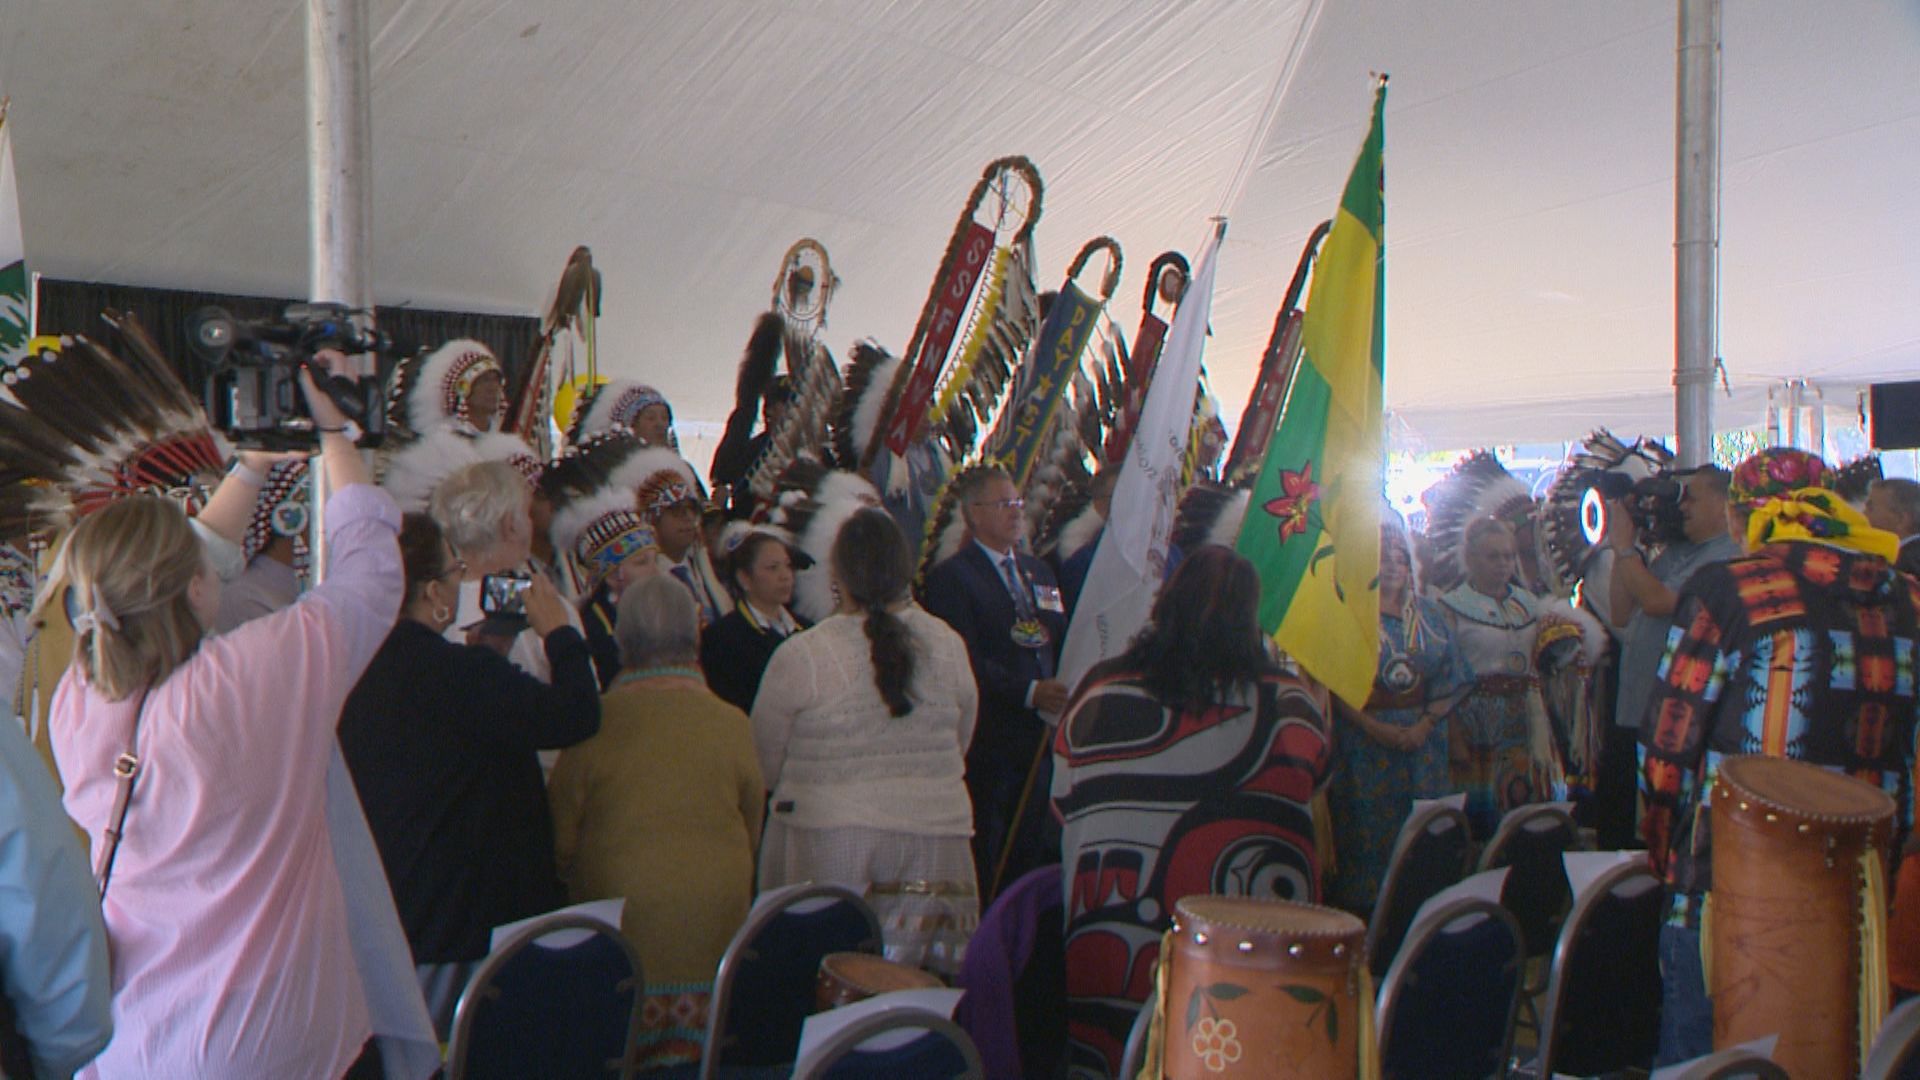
(1028, 631)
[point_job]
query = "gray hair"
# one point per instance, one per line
(1904, 494)
(472, 505)
(657, 624)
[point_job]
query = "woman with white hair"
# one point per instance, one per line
(224, 907)
(485, 511)
(663, 807)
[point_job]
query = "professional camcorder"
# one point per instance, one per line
(252, 394)
(1652, 501)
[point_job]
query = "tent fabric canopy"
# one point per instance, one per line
(1529, 153)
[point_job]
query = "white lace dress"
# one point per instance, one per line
(869, 800)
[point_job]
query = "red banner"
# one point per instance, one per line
(950, 306)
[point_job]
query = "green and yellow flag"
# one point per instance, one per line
(1313, 526)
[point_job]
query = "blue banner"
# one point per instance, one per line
(1042, 379)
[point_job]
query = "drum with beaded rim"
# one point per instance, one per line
(1796, 917)
(1262, 988)
(847, 977)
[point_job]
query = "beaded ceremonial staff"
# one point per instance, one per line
(1262, 413)
(998, 317)
(1023, 429)
(802, 292)
(567, 329)
(1166, 282)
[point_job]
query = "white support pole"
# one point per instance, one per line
(339, 182)
(1696, 229)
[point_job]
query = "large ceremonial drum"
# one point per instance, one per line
(1796, 922)
(847, 977)
(1262, 988)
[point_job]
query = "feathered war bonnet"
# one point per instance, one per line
(596, 519)
(94, 420)
(1478, 487)
(658, 478)
(1560, 533)
(616, 404)
(811, 503)
(431, 389)
(431, 435)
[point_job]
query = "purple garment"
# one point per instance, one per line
(995, 958)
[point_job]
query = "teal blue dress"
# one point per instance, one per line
(1373, 788)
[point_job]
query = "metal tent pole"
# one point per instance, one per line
(1696, 228)
(339, 181)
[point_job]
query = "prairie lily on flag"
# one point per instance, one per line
(1313, 525)
(16, 326)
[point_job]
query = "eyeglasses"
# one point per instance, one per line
(1003, 504)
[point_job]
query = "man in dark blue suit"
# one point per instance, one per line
(1007, 606)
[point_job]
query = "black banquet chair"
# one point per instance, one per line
(1602, 1011)
(1447, 1008)
(1430, 854)
(892, 1045)
(538, 1008)
(763, 989)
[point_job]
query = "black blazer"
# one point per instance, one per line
(968, 593)
(734, 654)
(441, 741)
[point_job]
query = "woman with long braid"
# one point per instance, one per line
(862, 725)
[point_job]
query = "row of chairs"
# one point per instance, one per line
(563, 998)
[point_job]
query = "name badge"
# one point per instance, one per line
(1048, 599)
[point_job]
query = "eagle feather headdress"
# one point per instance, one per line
(96, 419)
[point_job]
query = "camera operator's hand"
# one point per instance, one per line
(546, 611)
(1621, 530)
(342, 460)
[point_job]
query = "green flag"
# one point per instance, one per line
(1313, 526)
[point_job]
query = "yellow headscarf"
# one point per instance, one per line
(1820, 516)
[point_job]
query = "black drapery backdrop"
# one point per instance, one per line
(74, 307)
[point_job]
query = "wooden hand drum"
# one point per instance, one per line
(847, 977)
(1797, 915)
(1262, 988)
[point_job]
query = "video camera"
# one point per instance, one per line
(252, 394)
(1652, 501)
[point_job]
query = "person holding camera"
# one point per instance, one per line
(1644, 595)
(199, 764)
(442, 740)
(485, 511)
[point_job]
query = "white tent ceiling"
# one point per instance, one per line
(1529, 151)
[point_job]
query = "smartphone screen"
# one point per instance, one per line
(503, 594)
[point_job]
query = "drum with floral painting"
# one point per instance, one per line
(1262, 988)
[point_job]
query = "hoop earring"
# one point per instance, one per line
(442, 615)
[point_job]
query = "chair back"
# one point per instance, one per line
(539, 1010)
(1896, 1049)
(863, 1051)
(1734, 1064)
(763, 989)
(1015, 975)
(1134, 1057)
(1448, 1004)
(1530, 842)
(1602, 1011)
(1430, 854)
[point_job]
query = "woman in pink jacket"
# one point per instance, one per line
(224, 908)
